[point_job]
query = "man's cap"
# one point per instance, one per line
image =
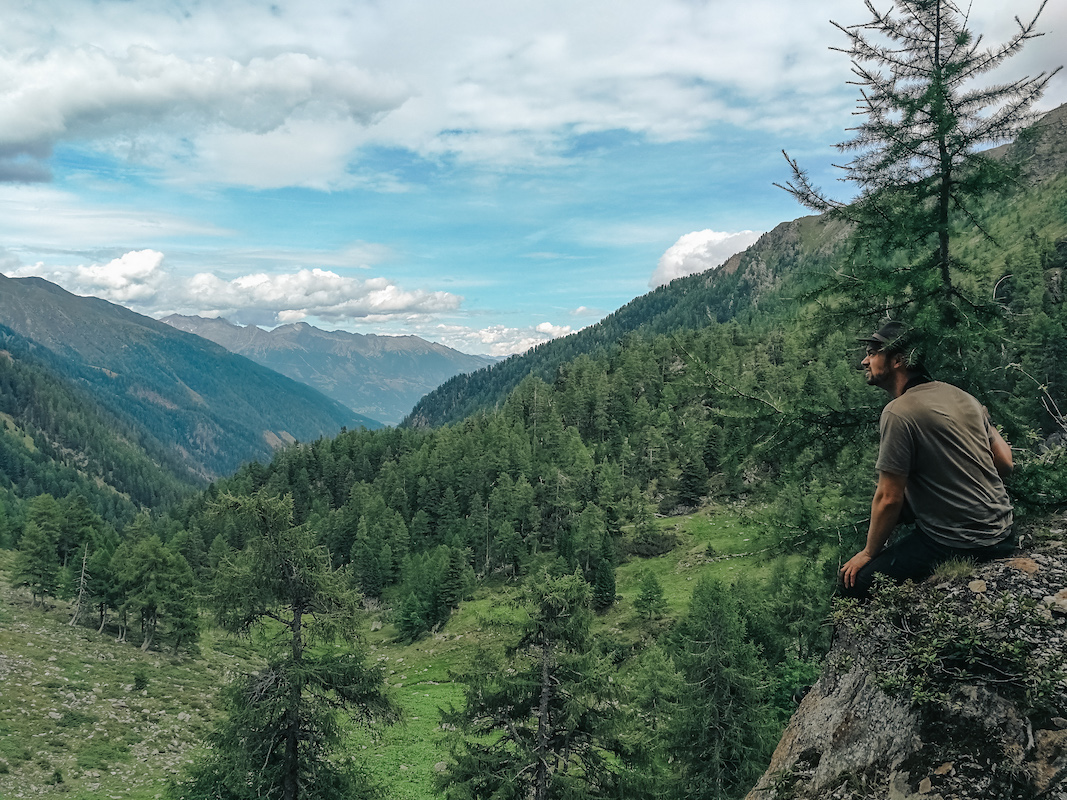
(889, 334)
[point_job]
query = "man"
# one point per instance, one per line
(940, 459)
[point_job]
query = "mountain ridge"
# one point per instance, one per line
(790, 253)
(375, 375)
(215, 408)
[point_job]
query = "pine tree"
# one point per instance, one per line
(37, 565)
(649, 602)
(281, 728)
(916, 163)
(159, 590)
(540, 729)
(653, 694)
(411, 618)
(604, 575)
(723, 729)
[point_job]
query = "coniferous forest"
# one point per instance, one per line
(617, 551)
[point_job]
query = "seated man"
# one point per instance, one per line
(940, 457)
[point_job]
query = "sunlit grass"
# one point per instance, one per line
(70, 707)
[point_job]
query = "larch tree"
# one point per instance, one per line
(36, 564)
(539, 727)
(916, 160)
(283, 730)
(723, 729)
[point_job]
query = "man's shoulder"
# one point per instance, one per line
(932, 403)
(925, 394)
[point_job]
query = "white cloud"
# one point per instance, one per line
(286, 93)
(85, 93)
(497, 340)
(140, 280)
(699, 251)
(134, 277)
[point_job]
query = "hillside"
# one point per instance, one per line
(213, 409)
(56, 438)
(747, 281)
(772, 277)
(381, 377)
(84, 716)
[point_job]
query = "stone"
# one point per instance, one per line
(848, 727)
(1049, 759)
(1027, 565)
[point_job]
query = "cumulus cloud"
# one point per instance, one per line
(141, 281)
(84, 93)
(699, 251)
(314, 293)
(497, 340)
(501, 82)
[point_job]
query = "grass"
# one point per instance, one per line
(82, 716)
(954, 569)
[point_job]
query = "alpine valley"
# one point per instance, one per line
(379, 376)
(607, 564)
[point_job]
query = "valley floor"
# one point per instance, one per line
(83, 716)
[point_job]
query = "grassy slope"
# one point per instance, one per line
(69, 701)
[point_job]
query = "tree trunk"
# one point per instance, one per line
(291, 767)
(81, 588)
(544, 731)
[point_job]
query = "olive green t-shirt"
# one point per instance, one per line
(939, 436)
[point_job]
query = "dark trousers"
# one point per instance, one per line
(916, 556)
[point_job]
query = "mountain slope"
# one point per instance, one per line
(55, 438)
(379, 376)
(774, 274)
(746, 281)
(215, 409)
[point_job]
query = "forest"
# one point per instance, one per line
(729, 395)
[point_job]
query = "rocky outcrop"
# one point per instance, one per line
(951, 690)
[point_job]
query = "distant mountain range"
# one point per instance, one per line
(212, 409)
(379, 376)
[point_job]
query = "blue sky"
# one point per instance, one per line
(486, 174)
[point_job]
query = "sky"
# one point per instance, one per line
(488, 174)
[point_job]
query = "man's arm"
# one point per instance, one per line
(885, 511)
(1001, 450)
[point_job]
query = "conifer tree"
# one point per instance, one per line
(37, 565)
(411, 618)
(649, 602)
(652, 693)
(282, 729)
(159, 590)
(539, 730)
(604, 574)
(723, 729)
(916, 163)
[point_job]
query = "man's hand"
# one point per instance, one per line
(885, 511)
(853, 566)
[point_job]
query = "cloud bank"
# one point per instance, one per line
(86, 94)
(497, 340)
(140, 280)
(699, 251)
(211, 92)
